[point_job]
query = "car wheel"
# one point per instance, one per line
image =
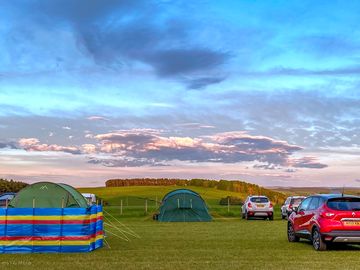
(271, 217)
(317, 241)
(242, 215)
(291, 234)
(247, 216)
(282, 216)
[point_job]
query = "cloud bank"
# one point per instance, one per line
(139, 147)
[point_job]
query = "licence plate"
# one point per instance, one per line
(260, 205)
(352, 223)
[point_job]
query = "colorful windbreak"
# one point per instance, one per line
(43, 230)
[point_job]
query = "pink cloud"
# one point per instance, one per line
(97, 118)
(33, 144)
(139, 147)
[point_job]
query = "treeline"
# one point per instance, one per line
(11, 185)
(235, 186)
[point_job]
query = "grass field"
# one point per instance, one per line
(225, 243)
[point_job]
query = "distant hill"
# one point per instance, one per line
(11, 185)
(306, 191)
(240, 187)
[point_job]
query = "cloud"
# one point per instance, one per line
(327, 45)
(118, 34)
(266, 166)
(124, 162)
(186, 61)
(33, 144)
(307, 162)
(9, 145)
(194, 126)
(300, 72)
(89, 148)
(97, 118)
(153, 148)
(203, 82)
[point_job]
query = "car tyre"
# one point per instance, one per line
(247, 217)
(271, 217)
(291, 233)
(317, 241)
(282, 216)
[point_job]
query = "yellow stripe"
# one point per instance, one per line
(65, 217)
(51, 242)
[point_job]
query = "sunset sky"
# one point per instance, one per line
(262, 91)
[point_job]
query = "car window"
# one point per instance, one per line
(259, 200)
(344, 204)
(287, 201)
(314, 204)
(305, 204)
(296, 201)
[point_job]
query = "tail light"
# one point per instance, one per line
(290, 206)
(327, 215)
(249, 205)
(271, 205)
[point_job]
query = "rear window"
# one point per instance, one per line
(259, 200)
(344, 204)
(296, 201)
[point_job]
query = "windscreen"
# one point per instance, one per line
(296, 201)
(259, 200)
(344, 204)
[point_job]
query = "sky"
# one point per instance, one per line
(266, 92)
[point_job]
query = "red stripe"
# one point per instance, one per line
(85, 221)
(49, 238)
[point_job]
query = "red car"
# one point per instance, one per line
(326, 219)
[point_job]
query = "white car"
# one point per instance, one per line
(90, 198)
(290, 205)
(257, 207)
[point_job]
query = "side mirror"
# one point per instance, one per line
(295, 209)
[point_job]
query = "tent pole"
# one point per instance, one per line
(33, 225)
(61, 222)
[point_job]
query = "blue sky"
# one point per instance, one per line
(263, 91)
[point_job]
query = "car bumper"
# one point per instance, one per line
(342, 236)
(260, 213)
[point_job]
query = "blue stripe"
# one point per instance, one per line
(51, 230)
(50, 211)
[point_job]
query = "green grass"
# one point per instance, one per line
(225, 243)
(134, 197)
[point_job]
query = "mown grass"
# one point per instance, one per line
(134, 198)
(225, 243)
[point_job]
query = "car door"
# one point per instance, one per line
(243, 207)
(311, 212)
(285, 205)
(301, 217)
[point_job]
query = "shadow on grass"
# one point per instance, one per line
(332, 246)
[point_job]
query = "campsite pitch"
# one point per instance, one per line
(225, 244)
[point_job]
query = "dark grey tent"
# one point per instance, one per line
(183, 205)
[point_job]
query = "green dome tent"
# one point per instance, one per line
(48, 195)
(183, 205)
